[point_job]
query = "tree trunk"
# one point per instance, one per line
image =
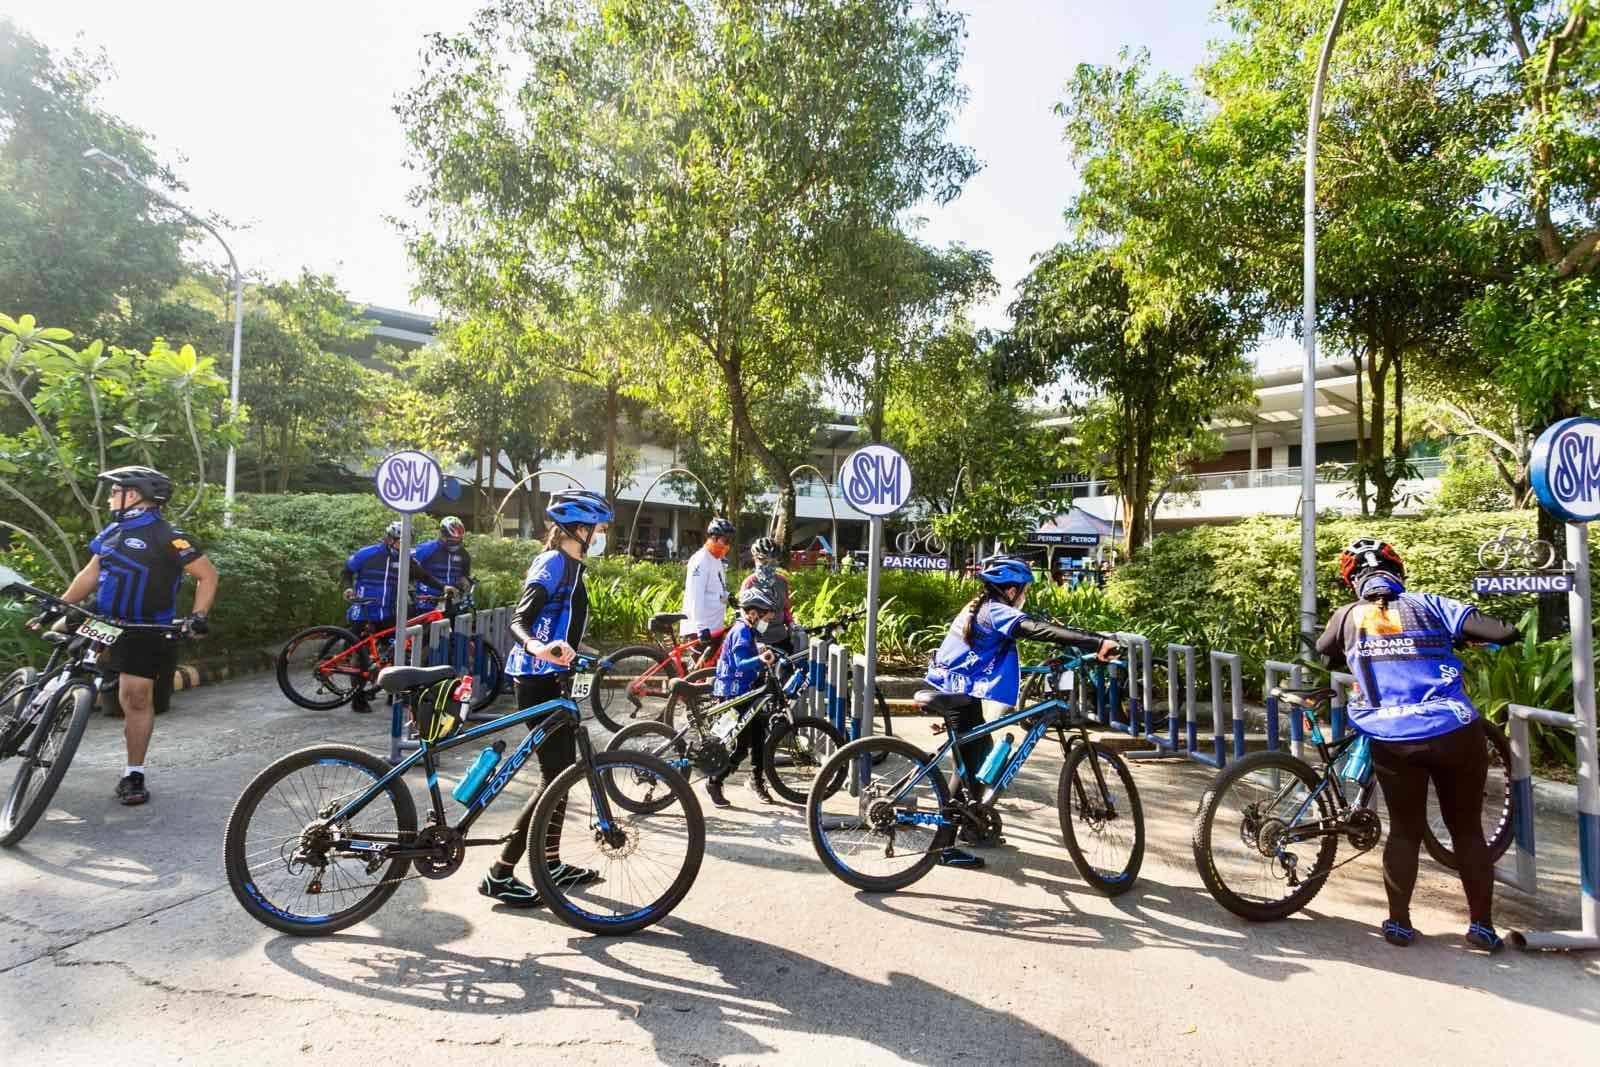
(612, 409)
(744, 430)
(1362, 451)
(477, 484)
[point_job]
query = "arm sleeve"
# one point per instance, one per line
(534, 597)
(1480, 627)
(352, 566)
(1032, 629)
(742, 650)
(694, 589)
(1331, 643)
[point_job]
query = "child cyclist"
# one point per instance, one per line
(1401, 648)
(979, 658)
(745, 654)
(548, 624)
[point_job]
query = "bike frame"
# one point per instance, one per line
(1343, 806)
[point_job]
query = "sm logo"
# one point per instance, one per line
(408, 481)
(876, 480)
(1566, 469)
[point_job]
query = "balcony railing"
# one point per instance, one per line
(1275, 478)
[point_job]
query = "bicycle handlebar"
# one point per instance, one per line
(52, 602)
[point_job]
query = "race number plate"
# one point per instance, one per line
(725, 725)
(103, 632)
(582, 685)
(1067, 681)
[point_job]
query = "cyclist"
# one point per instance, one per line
(548, 623)
(705, 590)
(443, 563)
(371, 577)
(138, 563)
(768, 554)
(979, 657)
(745, 652)
(1412, 703)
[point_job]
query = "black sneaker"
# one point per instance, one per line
(131, 789)
(567, 876)
(714, 791)
(955, 857)
(510, 891)
(759, 788)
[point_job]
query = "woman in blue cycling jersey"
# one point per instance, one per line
(1401, 648)
(979, 658)
(548, 624)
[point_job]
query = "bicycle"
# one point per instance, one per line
(909, 541)
(901, 814)
(43, 714)
(1290, 829)
(322, 667)
(337, 823)
(795, 748)
(1510, 551)
(632, 683)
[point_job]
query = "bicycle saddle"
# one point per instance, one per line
(942, 703)
(1306, 698)
(663, 622)
(402, 679)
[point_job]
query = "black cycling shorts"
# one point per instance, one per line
(145, 654)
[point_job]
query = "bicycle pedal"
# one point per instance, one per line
(938, 728)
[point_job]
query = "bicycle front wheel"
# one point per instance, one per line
(643, 862)
(1101, 818)
(15, 693)
(891, 832)
(1239, 836)
(45, 759)
(320, 668)
(796, 751)
(1498, 830)
(293, 871)
(631, 685)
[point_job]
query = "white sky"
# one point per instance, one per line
(279, 118)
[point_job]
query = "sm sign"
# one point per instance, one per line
(408, 481)
(1566, 469)
(876, 480)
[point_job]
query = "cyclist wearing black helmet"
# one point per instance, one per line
(745, 653)
(705, 588)
(138, 562)
(979, 657)
(768, 554)
(548, 623)
(1412, 703)
(443, 563)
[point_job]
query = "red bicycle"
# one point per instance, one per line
(326, 666)
(634, 682)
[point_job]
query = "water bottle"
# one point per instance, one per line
(996, 762)
(466, 791)
(1356, 763)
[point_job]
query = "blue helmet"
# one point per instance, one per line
(578, 507)
(1005, 570)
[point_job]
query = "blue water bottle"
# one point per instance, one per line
(466, 791)
(996, 762)
(1356, 763)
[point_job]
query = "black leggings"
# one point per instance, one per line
(1458, 764)
(974, 752)
(752, 742)
(559, 751)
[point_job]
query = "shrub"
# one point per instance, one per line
(272, 584)
(345, 521)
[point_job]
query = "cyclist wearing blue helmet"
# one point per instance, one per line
(548, 623)
(979, 658)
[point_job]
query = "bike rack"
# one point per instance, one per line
(1219, 721)
(838, 687)
(861, 704)
(816, 678)
(1339, 711)
(1172, 744)
(1141, 682)
(1523, 874)
(414, 653)
(1275, 669)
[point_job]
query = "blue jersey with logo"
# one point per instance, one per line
(1402, 653)
(377, 576)
(141, 565)
(738, 663)
(440, 563)
(563, 617)
(988, 667)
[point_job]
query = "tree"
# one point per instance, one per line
(77, 245)
(702, 157)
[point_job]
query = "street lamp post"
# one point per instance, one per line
(1308, 392)
(114, 164)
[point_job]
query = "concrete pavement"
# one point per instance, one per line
(120, 939)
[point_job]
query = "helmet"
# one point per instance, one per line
(452, 527)
(720, 527)
(578, 507)
(766, 548)
(1369, 554)
(392, 530)
(755, 598)
(1005, 570)
(150, 483)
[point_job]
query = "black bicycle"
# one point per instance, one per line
(323, 838)
(797, 745)
(43, 714)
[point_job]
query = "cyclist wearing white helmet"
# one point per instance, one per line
(705, 588)
(745, 654)
(371, 579)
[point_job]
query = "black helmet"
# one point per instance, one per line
(720, 527)
(755, 598)
(150, 483)
(766, 548)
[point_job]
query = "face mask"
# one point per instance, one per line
(717, 548)
(761, 626)
(597, 544)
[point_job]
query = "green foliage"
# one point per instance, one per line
(272, 584)
(343, 522)
(1531, 672)
(1470, 481)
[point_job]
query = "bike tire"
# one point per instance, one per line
(1537, 554)
(1075, 806)
(653, 739)
(487, 687)
(1498, 835)
(1493, 556)
(19, 682)
(883, 711)
(562, 901)
(616, 705)
(807, 742)
(675, 698)
(817, 818)
(320, 691)
(1205, 830)
(242, 878)
(63, 720)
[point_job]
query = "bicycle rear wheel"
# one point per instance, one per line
(1101, 818)
(891, 833)
(796, 751)
(646, 861)
(1239, 830)
(488, 682)
(15, 693)
(630, 685)
(45, 759)
(1498, 830)
(641, 791)
(313, 673)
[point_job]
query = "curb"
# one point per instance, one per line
(221, 668)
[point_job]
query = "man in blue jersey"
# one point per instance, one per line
(443, 563)
(372, 580)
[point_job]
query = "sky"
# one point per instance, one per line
(280, 118)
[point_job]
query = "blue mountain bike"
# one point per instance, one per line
(881, 810)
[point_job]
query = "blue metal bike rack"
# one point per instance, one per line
(1276, 669)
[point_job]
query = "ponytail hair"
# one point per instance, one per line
(975, 605)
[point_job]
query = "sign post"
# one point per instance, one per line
(1566, 478)
(876, 481)
(408, 482)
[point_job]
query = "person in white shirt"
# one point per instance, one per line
(705, 590)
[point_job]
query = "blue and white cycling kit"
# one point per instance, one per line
(738, 663)
(376, 570)
(441, 563)
(1402, 652)
(554, 606)
(988, 667)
